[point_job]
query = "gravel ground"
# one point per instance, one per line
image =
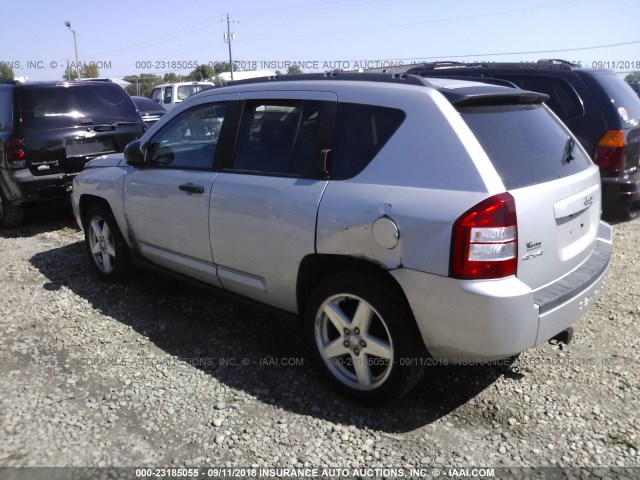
(159, 373)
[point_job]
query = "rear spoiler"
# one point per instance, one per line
(489, 80)
(478, 95)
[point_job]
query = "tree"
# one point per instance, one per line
(142, 84)
(86, 71)
(69, 73)
(170, 78)
(633, 77)
(294, 70)
(5, 72)
(202, 73)
(89, 71)
(219, 67)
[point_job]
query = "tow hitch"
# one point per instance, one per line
(564, 337)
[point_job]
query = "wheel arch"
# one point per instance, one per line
(315, 268)
(87, 201)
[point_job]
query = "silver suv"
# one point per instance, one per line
(400, 219)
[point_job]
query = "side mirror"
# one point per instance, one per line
(134, 154)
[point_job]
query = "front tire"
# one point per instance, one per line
(363, 336)
(107, 250)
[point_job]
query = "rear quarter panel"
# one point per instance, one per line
(429, 172)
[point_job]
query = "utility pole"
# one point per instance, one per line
(228, 38)
(75, 46)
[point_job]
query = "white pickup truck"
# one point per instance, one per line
(170, 94)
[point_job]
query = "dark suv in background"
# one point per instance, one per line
(49, 130)
(600, 109)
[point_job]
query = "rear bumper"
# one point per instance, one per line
(467, 320)
(621, 197)
(21, 186)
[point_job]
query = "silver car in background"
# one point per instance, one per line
(400, 219)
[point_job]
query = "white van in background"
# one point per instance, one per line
(170, 94)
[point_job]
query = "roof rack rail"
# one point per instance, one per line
(443, 64)
(558, 61)
(447, 64)
(349, 76)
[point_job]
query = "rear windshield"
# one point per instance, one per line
(55, 107)
(147, 105)
(625, 101)
(6, 109)
(185, 91)
(526, 144)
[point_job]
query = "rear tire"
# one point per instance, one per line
(11, 216)
(362, 335)
(107, 250)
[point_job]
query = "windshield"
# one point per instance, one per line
(526, 145)
(55, 107)
(6, 109)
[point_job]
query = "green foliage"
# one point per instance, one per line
(69, 73)
(202, 73)
(170, 78)
(294, 70)
(143, 84)
(220, 67)
(635, 76)
(89, 71)
(5, 72)
(86, 71)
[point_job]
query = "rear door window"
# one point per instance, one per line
(526, 144)
(278, 137)
(57, 107)
(6, 109)
(360, 133)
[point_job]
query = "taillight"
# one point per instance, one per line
(485, 240)
(15, 153)
(609, 150)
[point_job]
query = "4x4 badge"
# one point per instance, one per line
(588, 201)
(531, 256)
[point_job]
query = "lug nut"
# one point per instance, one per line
(363, 344)
(356, 331)
(346, 343)
(356, 351)
(346, 331)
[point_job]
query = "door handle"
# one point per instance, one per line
(191, 188)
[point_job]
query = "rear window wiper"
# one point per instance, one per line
(568, 150)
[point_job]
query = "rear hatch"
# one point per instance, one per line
(65, 125)
(618, 151)
(555, 185)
